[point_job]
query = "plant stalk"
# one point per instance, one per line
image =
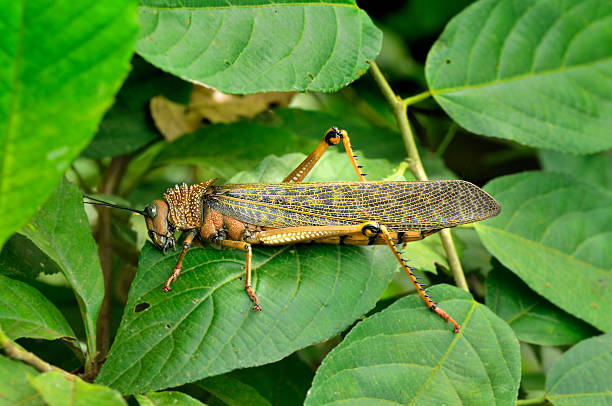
(399, 109)
(109, 185)
(16, 352)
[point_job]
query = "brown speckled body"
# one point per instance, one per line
(239, 212)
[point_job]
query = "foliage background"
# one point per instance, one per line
(514, 96)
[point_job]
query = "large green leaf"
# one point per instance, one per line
(537, 72)
(582, 375)
(25, 312)
(533, 319)
(555, 233)
(406, 355)
(14, 386)
(255, 46)
(127, 126)
(283, 382)
(61, 65)
(56, 390)
(595, 169)
(205, 325)
(61, 230)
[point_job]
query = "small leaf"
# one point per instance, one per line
(127, 126)
(206, 326)
(56, 390)
(25, 312)
(406, 355)
(62, 63)
(20, 257)
(533, 319)
(536, 72)
(14, 386)
(555, 233)
(595, 169)
(61, 230)
(283, 382)
(168, 398)
(259, 46)
(582, 375)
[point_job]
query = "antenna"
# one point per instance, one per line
(99, 202)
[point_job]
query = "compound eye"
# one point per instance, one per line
(151, 210)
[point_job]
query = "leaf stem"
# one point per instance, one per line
(399, 109)
(450, 134)
(535, 401)
(16, 352)
(416, 98)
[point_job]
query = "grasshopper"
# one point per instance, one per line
(361, 212)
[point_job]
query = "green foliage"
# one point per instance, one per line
(62, 66)
(308, 293)
(589, 361)
(14, 386)
(283, 382)
(60, 229)
(25, 312)
(166, 398)
(525, 72)
(228, 45)
(56, 390)
(564, 239)
(403, 355)
(334, 326)
(533, 319)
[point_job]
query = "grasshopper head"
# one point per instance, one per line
(161, 231)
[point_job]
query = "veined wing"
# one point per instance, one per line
(401, 206)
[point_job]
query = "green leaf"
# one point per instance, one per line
(334, 166)
(127, 126)
(555, 233)
(375, 141)
(283, 382)
(474, 257)
(20, 257)
(228, 148)
(257, 46)
(595, 169)
(56, 390)
(205, 325)
(533, 319)
(61, 230)
(61, 65)
(25, 312)
(14, 386)
(407, 355)
(582, 375)
(169, 398)
(536, 72)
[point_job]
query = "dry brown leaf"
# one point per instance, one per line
(172, 119)
(210, 105)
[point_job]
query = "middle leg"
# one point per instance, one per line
(333, 136)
